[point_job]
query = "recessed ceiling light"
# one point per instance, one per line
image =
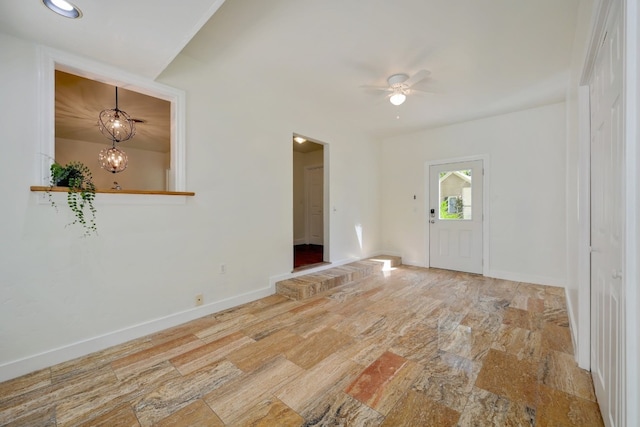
(299, 139)
(64, 8)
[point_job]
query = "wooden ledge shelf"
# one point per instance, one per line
(162, 193)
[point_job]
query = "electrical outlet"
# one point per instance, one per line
(223, 268)
(199, 299)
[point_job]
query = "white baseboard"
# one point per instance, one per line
(527, 278)
(573, 325)
(81, 348)
(28, 364)
(413, 263)
(299, 242)
(390, 253)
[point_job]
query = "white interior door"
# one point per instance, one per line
(455, 216)
(314, 178)
(607, 214)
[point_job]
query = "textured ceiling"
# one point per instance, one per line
(486, 57)
(141, 36)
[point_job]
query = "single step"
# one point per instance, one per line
(308, 285)
(388, 261)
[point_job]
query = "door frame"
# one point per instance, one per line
(583, 347)
(485, 205)
(326, 199)
(631, 268)
(631, 197)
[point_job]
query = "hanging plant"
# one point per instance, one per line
(80, 194)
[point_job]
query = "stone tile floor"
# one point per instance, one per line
(410, 347)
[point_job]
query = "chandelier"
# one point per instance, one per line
(113, 159)
(117, 126)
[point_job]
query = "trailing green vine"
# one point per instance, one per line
(81, 193)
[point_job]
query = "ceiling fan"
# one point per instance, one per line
(400, 85)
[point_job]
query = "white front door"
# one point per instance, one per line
(607, 214)
(314, 178)
(455, 216)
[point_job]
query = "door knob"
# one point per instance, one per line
(432, 221)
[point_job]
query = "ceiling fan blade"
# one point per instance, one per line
(419, 76)
(414, 90)
(382, 88)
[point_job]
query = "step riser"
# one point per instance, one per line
(308, 285)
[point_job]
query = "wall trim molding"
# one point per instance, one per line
(81, 348)
(576, 340)
(581, 326)
(50, 60)
(631, 16)
(527, 278)
(65, 353)
(390, 253)
(413, 263)
(598, 23)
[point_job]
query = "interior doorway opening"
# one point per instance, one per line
(309, 203)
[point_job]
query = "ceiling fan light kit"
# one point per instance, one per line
(399, 91)
(396, 80)
(397, 98)
(400, 85)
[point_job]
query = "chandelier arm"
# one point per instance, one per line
(116, 124)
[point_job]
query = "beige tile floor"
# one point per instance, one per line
(412, 347)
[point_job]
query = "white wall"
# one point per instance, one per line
(300, 160)
(62, 296)
(145, 170)
(526, 152)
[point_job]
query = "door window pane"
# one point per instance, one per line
(455, 195)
